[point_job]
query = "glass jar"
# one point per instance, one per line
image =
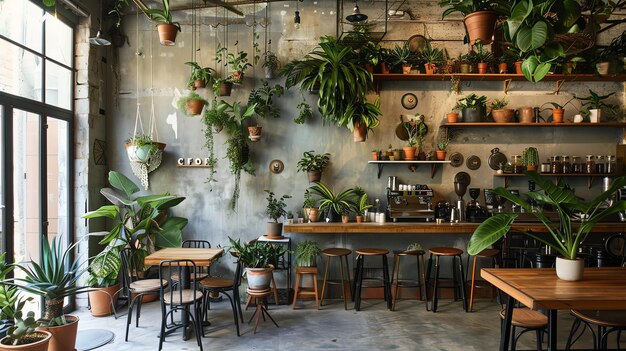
(590, 164)
(565, 165)
(545, 166)
(600, 164)
(517, 164)
(576, 166)
(555, 166)
(610, 164)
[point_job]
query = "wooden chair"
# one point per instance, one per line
(606, 322)
(420, 282)
(528, 320)
(487, 253)
(224, 286)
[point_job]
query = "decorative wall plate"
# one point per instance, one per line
(463, 177)
(409, 101)
(473, 162)
(417, 43)
(496, 159)
(456, 159)
(276, 166)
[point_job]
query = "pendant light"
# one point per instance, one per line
(296, 17)
(356, 15)
(98, 40)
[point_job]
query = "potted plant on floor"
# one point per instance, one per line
(200, 77)
(530, 159)
(499, 113)
(594, 106)
(310, 210)
(23, 336)
(330, 204)
(259, 259)
(103, 272)
(168, 29)
(566, 235)
(479, 17)
(306, 253)
(274, 210)
(472, 107)
(442, 145)
(192, 104)
(313, 164)
(270, 64)
(433, 57)
(362, 207)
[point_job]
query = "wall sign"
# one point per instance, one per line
(192, 162)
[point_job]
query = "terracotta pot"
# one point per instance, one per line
(167, 34)
(465, 68)
(274, 230)
(557, 115)
(225, 89)
(409, 152)
(259, 278)
(406, 68)
(448, 69)
(237, 77)
(100, 300)
(397, 155)
(430, 68)
(41, 345)
(604, 68)
(64, 336)
(360, 132)
(480, 25)
(453, 117)
(374, 155)
(526, 115)
(503, 68)
(198, 83)
(504, 115)
(421, 156)
(254, 133)
(483, 67)
(571, 270)
(314, 176)
(359, 219)
(531, 168)
(312, 213)
(441, 155)
(384, 68)
(518, 67)
(369, 67)
(194, 107)
(345, 219)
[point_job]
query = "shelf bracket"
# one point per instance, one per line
(380, 169)
(506, 181)
(433, 170)
(589, 182)
(413, 167)
(558, 85)
(507, 84)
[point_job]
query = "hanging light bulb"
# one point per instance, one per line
(296, 20)
(356, 15)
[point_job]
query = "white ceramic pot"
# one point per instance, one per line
(595, 115)
(571, 270)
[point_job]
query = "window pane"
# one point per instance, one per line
(58, 85)
(21, 21)
(58, 40)
(20, 71)
(57, 159)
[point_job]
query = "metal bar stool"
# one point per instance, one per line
(486, 253)
(341, 254)
(446, 252)
(420, 282)
(358, 279)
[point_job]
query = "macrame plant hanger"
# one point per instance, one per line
(153, 156)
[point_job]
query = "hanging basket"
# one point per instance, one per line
(143, 153)
(140, 167)
(574, 43)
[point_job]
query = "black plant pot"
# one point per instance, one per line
(473, 116)
(333, 216)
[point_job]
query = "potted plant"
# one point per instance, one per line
(306, 253)
(433, 58)
(305, 113)
(330, 204)
(223, 86)
(10, 299)
(259, 258)
(22, 335)
(103, 272)
(442, 145)
(142, 149)
(385, 61)
(416, 132)
(499, 113)
(345, 215)
(192, 104)
(530, 159)
(566, 236)
(375, 154)
(200, 76)
(168, 29)
(313, 164)
(483, 58)
(270, 64)
(400, 55)
(238, 65)
(362, 207)
(594, 106)
(479, 17)
(310, 210)
(53, 278)
(558, 110)
(503, 64)
(261, 99)
(472, 107)
(465, 66)
(370, 54)
(453, 117)
(274, 210)
(361, 118)
(214, 119)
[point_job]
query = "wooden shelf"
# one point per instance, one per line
(558, 176)
(412, 165)
(534, 125)
(499, 77)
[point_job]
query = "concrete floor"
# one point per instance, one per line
(411, 327)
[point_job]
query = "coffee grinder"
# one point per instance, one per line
(461, 181)
(474, 211)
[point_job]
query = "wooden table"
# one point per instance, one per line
(600, 289)
(201, 257)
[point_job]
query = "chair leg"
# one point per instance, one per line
(162, 333)
(395, 277)
(473, 285)
(387, 282)
(343, 285)
(296, 292)
(436, 288)
(325, 279)
(423, 278)
(138, 312)
(430, 266)
(572, 332)
(358, 282)
(130, 315)
(348, 271)
(513, 338)
(455, 285)
(539, 346)
(317, 302)
(275, 290)
(463, 294)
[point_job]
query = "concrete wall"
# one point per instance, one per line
(207, 210)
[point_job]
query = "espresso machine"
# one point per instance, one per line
(414, 204)
(474, 212)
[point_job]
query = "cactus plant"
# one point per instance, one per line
(530, 158)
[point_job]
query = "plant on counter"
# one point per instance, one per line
(313, 164)
(399, 56)
(311, 210)
(270, 64)
(530, 158)
(498, 111)
(330, 204)
(558, 110)
(594, 107)
(306, 253)
(305, 113)
(274, 210)
(483, 58)
(200, 76)
(416, 134)
(192, 104)
(566, 235)
(362, 206)
(166, 26)
(433, 58)
(472, 107)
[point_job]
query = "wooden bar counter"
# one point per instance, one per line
(421, 228)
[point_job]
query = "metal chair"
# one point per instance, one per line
(224, 286)
(200, 272)
(179, 299)
(528, 320)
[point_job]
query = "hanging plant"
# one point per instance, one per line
(168, 29)
(192, 104)
(200, 76)
(214, 119)
(223, 86)
(262, 98)
(305, 113)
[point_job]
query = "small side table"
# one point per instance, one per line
(286, 265)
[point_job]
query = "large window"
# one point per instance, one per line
(36, 109)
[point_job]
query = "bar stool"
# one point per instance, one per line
(421, 275)
(486, 253)
(260, 299)
(358, 279)
(302, 271)
(446, 252)
(341, 254)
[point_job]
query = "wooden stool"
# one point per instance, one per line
(446, 252)
(341, 253)
(260, 299)
(529, 320)
(486, 253)
(301, 271)
(421, 275)
(358, 279)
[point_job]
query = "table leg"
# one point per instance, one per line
(552, 316)
(184, 318)
(506, 327)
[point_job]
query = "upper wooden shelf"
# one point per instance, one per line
(544, 124)
(500, 77)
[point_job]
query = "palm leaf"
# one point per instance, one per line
(490, 231)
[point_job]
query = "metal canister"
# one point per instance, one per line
(576, 165)
(590, 164)
(555, 166)
(391, 182)
(565, 165)
(610, 164)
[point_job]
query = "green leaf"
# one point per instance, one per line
(569, 12)
(541, 71)
(115, 197)
(171, 232)
(49, 3)
(524, 39)
(108, 211)
(122, 183)
(539, 35)
(528, 67)
(490, 231)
